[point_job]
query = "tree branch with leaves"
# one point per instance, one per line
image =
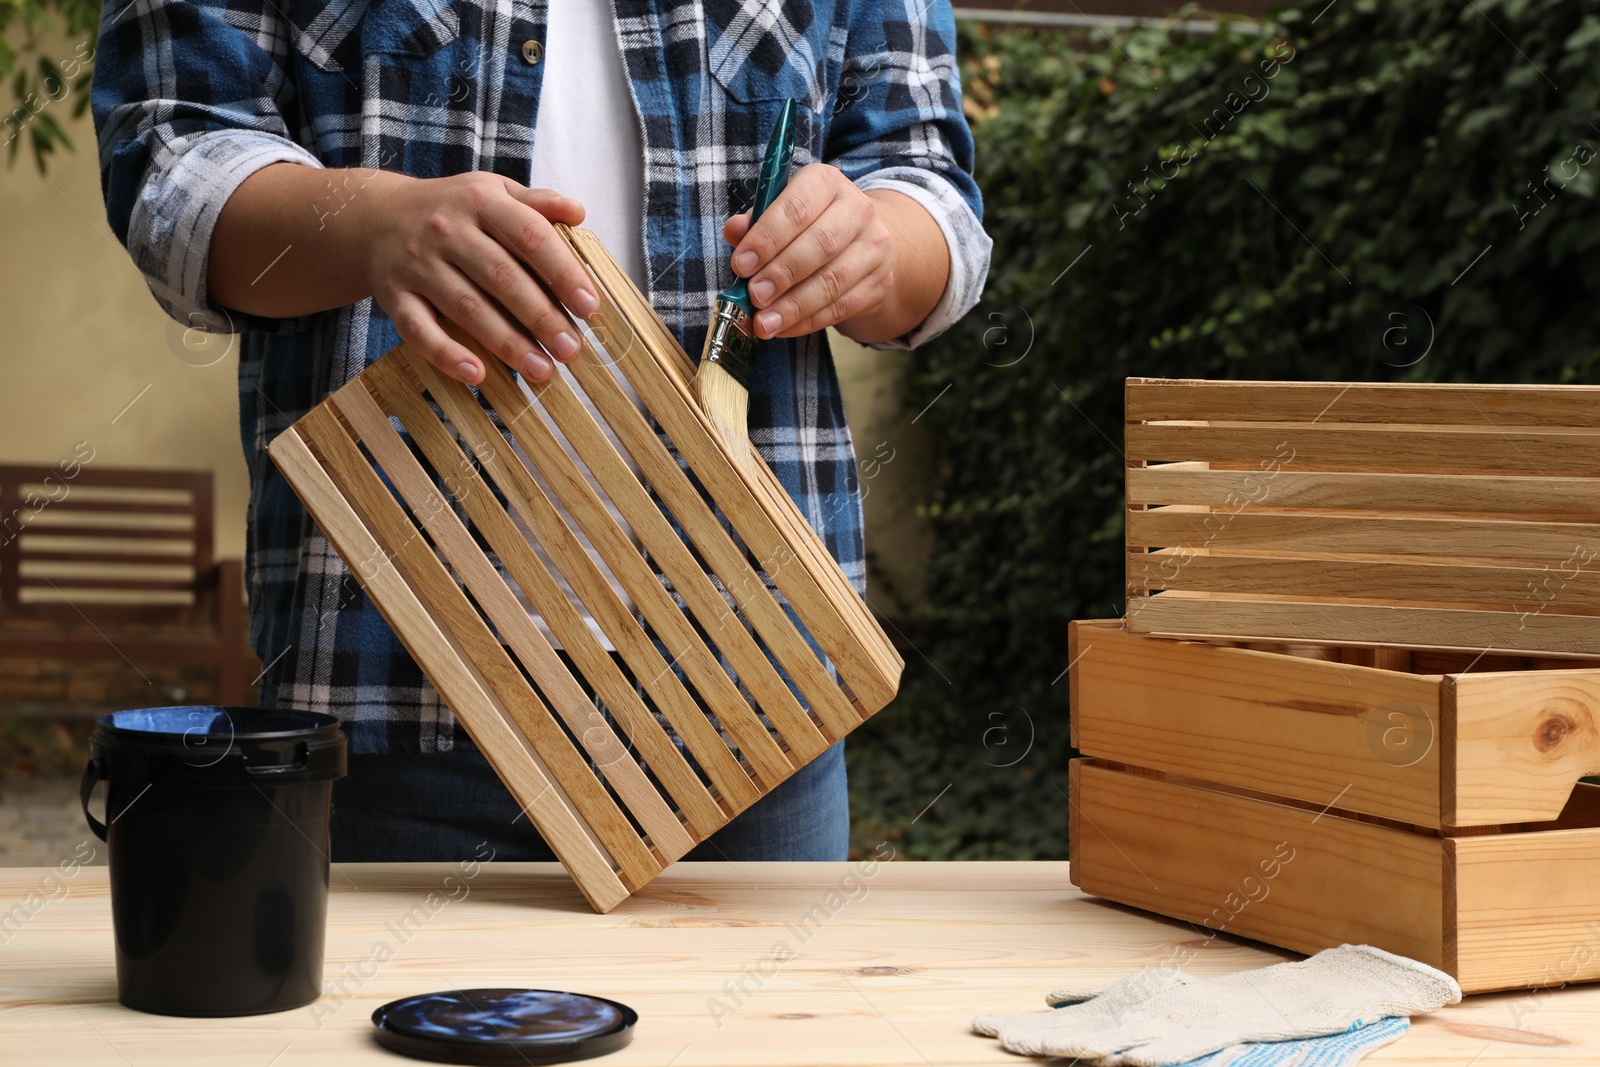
(39, 82)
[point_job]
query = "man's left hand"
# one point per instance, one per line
(827, 254)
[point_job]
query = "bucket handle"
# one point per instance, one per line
(92, 774)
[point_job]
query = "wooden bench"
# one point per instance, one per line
(99, 563)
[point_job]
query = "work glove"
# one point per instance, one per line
(1159, 1018)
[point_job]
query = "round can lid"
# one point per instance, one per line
(518, 1026)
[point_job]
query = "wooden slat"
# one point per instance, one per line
(1305, 729)
(162, 559)
(410, 554)
(507, 750)
(678, 414)
(529, 501)
(741, 581)
(1521, 741)
(1502, 406)
(180, 535)
(1364, 624)
(74, 502)
(1574, 499)
(113, 477)
(1524, 909)
(1250, 867)
(32, 581)
(511, 620)
(1178, 527)
(1548, 453)
(1526, 588)
(669, 552)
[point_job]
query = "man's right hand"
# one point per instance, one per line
(460, 247)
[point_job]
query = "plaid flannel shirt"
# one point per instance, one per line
(192, 96)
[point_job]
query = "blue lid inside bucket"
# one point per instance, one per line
(217, 721)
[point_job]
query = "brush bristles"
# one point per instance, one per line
(727, 404)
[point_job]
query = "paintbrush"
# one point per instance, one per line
(727, 363)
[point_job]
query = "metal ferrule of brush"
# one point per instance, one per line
(729, 343)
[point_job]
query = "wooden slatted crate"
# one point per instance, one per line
(617, 798)
(1425, 808)
(1380, 736)
(1440, 516)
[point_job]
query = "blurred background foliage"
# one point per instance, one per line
(36, 79)
(1435, 160)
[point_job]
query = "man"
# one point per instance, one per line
(331, 179)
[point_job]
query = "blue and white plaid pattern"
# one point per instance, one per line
(192, 96)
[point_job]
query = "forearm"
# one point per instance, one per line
(478, 249)
(921, 270)
(292, 239)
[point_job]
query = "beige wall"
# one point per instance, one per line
(81, 338)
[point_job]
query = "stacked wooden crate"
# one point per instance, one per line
(1358, 680)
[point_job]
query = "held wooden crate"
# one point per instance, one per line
(1444, 516)
(617, 798)
(1431, 806)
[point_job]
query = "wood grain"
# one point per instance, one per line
(1499, 406)
(1299, 728)
(811, 589)
(512, 622)
(530, 503)
(435, 588)
(654, 335)
(1525, 908)
(1521, 588)
(741, 581)
(1522, 740)
(1488, 539)
(508, 750)
(1365, 624)
(650, 598)
(1258, 869)
(1192, 483)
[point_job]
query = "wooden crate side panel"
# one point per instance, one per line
(1365, 624)
(1395, 448)
(1523, 739)
(1196, 484)
(1527, 909)
(1267, 871)
(1169, 399)
(1319, 732)
(1572, 545)
(1520, 589)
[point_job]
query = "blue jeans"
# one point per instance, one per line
(444, 806)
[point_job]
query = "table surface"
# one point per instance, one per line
(890, 967)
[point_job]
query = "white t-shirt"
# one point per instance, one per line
(587, 145)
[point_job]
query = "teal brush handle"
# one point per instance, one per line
(774, 176)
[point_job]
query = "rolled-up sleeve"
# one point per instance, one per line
(187, 103)
(898, 125)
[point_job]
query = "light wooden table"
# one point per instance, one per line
(888, 969)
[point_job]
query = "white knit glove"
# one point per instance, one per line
(1158, 1018)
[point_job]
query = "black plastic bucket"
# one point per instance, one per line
(217, 828)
